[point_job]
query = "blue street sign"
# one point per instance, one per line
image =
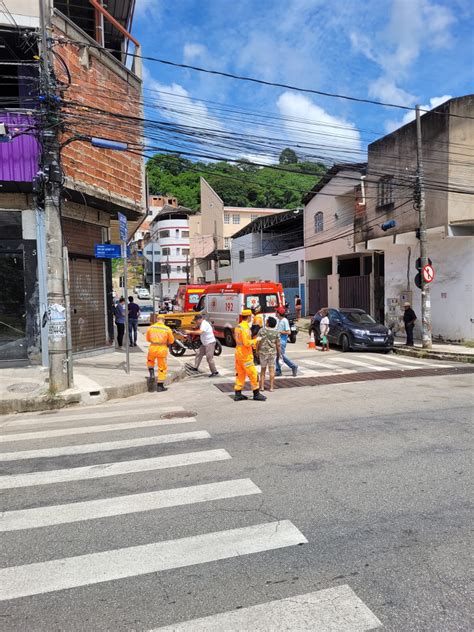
(108, 251)
(123, 226)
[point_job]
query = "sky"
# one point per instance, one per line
(398, 51)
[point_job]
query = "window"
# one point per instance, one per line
(226, 218)
(227, 243)
(318, 222)
(185, 234)
(268, 302)
(185, 251)
(301, 267)
(177, 233)
(236, 218)
(165, 270)
(254, 217)
(241, 256)
(178, 269)
(166, 251)
(164, 234)
(178, 251)
(170, 201)
(385, 193)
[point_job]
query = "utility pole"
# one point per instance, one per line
(216, 250)
(187, 269)
(52, 179)
(420, 203)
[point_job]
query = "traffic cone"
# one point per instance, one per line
(311, 343)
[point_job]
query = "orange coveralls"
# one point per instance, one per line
(159, 336)
(244, 364)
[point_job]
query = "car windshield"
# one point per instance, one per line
(359, 318)
(146, 308)
(268, 302)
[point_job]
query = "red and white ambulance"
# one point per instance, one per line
(188, 296)
(222, 303)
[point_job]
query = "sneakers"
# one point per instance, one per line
(238, 397)
(295, 371)
(214, 374)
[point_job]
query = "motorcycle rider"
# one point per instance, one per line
(160, 338)
(244, 363)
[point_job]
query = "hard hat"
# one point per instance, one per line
(246, 312)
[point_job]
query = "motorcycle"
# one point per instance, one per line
(184, 342)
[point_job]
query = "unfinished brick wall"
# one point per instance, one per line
(100, 83)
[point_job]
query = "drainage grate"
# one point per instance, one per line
(179, 414)
(363, 376)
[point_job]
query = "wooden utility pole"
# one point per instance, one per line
(420, 203)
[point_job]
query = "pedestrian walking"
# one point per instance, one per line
(283, 328)
(324, 329)
(160, 338)
(119, 313)
(133, 314)
(268, 349)
(244, 364)
(298, 307)
(409, 319)
(208, 344)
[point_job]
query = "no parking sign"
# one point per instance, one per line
(428, 273)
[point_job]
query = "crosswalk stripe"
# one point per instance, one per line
(365, 365)
(94, 568)
(65, 432)
(104, 470)
(121, 505)
(423, 363)
(96, 413)
(328, 367)
(390, 363)
(89, 448)
(336, 609)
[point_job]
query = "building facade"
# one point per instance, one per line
(100, 87)
(448, 155)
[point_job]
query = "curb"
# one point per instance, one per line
(45, 402)
(435, 355)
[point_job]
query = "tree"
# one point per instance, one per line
(288, 157)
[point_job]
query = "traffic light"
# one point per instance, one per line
(418, 265)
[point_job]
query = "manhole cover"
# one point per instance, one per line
(179, 414)
(24, 387)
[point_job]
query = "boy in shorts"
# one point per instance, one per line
(268, 349)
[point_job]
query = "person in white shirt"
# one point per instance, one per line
(324, 329)
(208, 344)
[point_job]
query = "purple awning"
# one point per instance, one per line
(19, 157)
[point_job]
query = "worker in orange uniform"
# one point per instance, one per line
(244, 364)
(160, 338)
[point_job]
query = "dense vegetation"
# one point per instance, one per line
(240, 184)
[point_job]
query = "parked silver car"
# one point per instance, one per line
(145, 313)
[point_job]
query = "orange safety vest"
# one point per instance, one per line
(159, 334)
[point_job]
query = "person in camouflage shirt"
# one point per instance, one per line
(268, 349)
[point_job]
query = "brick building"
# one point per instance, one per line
(101, 97)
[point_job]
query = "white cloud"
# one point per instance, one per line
(193, 51)
(410, 116)
(148, 8)
(338, 138)
(384, 89)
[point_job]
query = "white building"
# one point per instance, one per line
(270, 248)
(169, 231)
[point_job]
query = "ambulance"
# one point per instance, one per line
(222, 304)
(188, 296)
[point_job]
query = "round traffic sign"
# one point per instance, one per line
(428, 274)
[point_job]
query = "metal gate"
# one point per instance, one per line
(87, 295)
(288, 277)
(355, 292)
(317, 294)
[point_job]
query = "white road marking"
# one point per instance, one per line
(89, 448)
(120, 505)
(96, 413)
(423, 363)
(365, 365)
(329, 368)
(65, 432)
(336, 609)
(104, 470)
(392, 363)
(94, 568)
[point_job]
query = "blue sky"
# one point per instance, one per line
(400, 51)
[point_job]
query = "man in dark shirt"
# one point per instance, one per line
(409, 318)
(133, 313)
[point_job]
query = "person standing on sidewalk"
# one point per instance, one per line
(298, 308)
(208, 344)
(244, 364)
(324, 329)
(160, 338)
(268, 349)
(133, 314)
(119, 313)
(409, 319)
(283, 329)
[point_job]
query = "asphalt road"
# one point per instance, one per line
(362, 498)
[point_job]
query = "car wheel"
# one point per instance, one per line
(345, 344)
(229, 338)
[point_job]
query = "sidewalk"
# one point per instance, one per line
(96, 380)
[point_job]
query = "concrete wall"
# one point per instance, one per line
(25, 13)
(461, 165)
(452, 299)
